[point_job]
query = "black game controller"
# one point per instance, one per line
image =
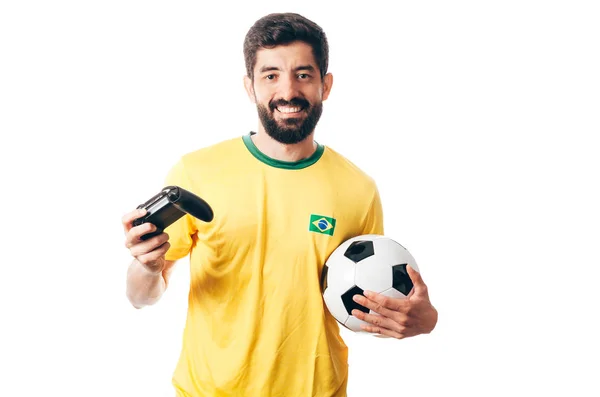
(169, 205)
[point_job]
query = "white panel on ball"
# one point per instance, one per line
(391, 252)
(373, 275)
(354, 324)
(340, 273)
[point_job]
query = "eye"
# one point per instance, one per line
(303, 76)
(270, 77)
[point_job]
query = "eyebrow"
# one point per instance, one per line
(302, 67)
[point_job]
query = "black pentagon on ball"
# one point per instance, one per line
(324, 278)
(349, 303)
(359, 250)
(402, 281)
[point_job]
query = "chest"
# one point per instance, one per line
(286, 213)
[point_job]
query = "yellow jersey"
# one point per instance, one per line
(256, 324)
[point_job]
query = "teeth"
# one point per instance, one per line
(285, 109)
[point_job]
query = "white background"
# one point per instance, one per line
(479, 120)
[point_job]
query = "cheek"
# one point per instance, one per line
(261, 97)
(315, 95)
(320, 93)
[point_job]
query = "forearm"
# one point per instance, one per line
(143, 287)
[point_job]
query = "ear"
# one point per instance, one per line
(249, 86)
(327, 83)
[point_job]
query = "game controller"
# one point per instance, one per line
(170, 205)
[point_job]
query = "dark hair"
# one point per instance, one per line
(284, 28)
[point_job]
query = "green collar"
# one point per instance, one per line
(288, 165)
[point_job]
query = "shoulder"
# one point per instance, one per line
(205, 161)
(345, 168)
(213, 154)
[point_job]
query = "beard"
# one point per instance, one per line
(292, 129)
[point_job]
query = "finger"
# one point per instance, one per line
(154, 255)
(375, 303)
(379, 303)
(134, 236)
(381, 331)
(378, 320)
(419, 286)
(414, 275)
(149, 245)
(127, 219)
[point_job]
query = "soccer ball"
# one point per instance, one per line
(368, 262)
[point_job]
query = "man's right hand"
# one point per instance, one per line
(150, 253)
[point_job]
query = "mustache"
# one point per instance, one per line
(294, 102)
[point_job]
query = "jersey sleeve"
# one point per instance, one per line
(374, 218)
(180, 232)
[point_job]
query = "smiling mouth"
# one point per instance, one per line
(289, 109)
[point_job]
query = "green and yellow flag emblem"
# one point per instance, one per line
(321, 224)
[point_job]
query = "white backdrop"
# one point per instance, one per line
(479, 120)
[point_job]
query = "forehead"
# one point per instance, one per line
(286, 56)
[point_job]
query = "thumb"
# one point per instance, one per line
(419, 286)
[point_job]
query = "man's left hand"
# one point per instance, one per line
(398, 317)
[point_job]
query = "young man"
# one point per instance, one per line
(256, 323)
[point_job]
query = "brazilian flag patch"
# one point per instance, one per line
(321, 224)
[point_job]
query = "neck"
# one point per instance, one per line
(282, 152)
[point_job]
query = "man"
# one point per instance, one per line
(256, 323)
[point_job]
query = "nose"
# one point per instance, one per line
(288, 87)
